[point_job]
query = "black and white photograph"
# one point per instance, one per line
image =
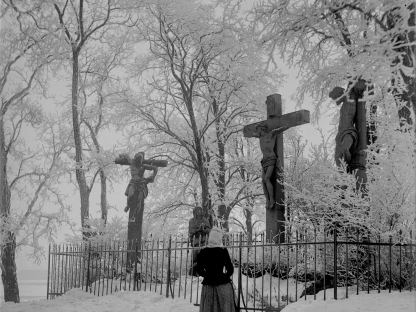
(208, 155)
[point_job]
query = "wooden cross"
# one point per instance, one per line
(270, 133)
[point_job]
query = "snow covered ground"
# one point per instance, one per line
(373, 302)
(29, 290)
(78, 301)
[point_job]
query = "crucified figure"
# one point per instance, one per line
(268, 163)
(136, 192)
(353, 130)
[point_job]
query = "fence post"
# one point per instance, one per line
(412, 273)
(390, 279)
(335, 263)
(49, 271)
(239, 273)
(88, 266)
(135, 278)
(168, 273)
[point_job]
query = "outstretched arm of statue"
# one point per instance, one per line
(151, 179)
(123, 159)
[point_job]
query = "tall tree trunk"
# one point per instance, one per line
(202, 171)
(8, 269)
(8, 263)
(103, 196)
(79, 170)
(205, 195)
(223, 210)
(103, 177)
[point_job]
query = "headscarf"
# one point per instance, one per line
(215, 238)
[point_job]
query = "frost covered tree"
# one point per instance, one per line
(203, 78)
(321, 195)
(100, 90)
(248, 183)
(28, 173)
(80, 23)
(79, 28)
(336, 42)
(333, 43)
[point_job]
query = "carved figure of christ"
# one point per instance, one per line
(270, 134)
(268, 163)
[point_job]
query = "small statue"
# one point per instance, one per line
(199, 227)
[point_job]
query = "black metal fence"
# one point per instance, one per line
(267, 276)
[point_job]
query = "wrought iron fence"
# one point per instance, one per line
(267, 276)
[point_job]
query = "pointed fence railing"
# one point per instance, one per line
(267, 276)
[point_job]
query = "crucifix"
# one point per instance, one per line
(270, 134)
(136, 192)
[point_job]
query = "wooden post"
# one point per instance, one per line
(275, 217)
(270, 133)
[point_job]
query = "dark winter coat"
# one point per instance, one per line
(214, 265)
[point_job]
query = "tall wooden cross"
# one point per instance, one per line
(270, 133)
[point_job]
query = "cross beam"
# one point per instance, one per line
(270, 133)
(277, 123)
(124, 159)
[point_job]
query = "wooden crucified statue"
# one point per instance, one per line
(137, 191)
(270, 133)
(354, 132)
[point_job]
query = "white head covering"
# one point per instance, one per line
(215, 238)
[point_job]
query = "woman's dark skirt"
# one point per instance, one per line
(217, 298)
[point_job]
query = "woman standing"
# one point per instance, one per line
(214, 265)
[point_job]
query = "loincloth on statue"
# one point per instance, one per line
(137, 185)
(342, 133)
(269, 161)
